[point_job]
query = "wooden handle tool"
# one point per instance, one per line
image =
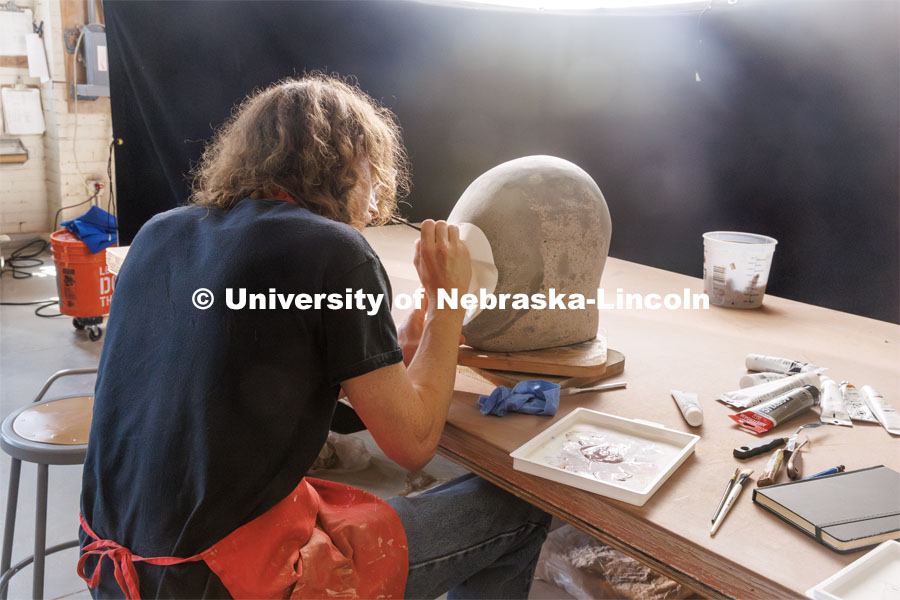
(770, 474)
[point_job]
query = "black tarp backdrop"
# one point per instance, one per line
(792, 130)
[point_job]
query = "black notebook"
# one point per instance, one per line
(845, 511)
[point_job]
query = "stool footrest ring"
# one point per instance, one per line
(7, 575)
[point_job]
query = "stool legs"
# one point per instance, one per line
(9, 526)
(40, 532)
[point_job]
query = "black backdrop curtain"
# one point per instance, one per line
(783, 120)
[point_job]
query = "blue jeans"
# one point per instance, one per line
(471, 538)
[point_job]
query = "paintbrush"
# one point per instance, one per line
(731, 481)
(732, 497)
(596, 388)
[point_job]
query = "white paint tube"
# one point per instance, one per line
(751, 396)
(833, 410)
(758, 378)
(760, 362)
(690, 408)
(771, 414)
(855, 405)
(886, 413)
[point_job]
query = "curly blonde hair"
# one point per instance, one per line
(305, 137)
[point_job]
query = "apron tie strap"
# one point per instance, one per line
(123, 562)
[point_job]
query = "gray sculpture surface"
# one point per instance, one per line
(548, 227)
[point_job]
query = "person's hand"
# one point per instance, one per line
(442, 261)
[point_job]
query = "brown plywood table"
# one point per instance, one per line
(754, 554)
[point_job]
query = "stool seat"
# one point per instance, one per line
(66, 421)
(45, 432)
(50, 432)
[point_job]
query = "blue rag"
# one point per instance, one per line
(96, 228)
(536, 397)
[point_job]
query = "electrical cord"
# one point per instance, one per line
(75, 95)
(18, 260)
(56, 216)
(38, 310)
(43, 304)
(16, 268)
(111, 206)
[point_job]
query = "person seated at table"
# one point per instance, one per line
(207, 418)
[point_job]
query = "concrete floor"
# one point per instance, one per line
(32, 349)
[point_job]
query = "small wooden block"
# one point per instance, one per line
(615, 365)
(586, 359)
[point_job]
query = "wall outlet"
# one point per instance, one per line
(94, 185)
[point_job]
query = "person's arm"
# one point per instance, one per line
(410, 333)
(405, 409)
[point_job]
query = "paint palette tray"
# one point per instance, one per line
(624, 459)
(876, 575)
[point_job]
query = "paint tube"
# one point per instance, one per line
(760, 362)
(751, 396)
(833, 410)
(856, 407)
(886, 413)
(690, 408)
(758, 378)
(769, 415)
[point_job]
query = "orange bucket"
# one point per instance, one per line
(84, 284)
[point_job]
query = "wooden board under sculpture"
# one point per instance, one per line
(615, 365)
(582, 360)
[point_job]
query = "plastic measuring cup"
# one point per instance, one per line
(736, 267)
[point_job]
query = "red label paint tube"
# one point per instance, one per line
(768, 415)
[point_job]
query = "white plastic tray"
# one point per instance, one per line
(672, 448)
(875, 576)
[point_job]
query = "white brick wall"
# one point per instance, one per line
(31, 194)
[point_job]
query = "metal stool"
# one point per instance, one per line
(48, 432)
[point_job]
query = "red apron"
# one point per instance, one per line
(324, 539)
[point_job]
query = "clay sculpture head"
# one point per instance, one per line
(547, 226)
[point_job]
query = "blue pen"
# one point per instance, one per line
(832, 471)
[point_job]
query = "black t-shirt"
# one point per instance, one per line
(205, 419)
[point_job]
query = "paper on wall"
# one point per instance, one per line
(37, 60)
(22, 114)
(14, 26)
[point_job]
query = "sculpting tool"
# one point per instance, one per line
(402, 221)
(793, 465)
(793, 461)
(731, 481)
(596, 388)
(732, 497)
